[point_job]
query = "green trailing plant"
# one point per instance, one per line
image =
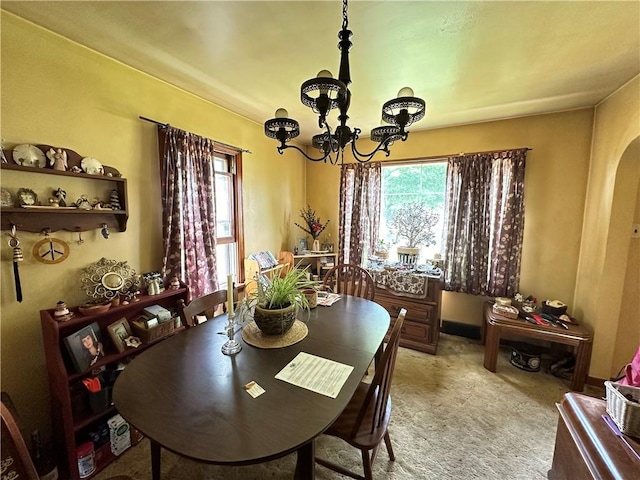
(283, 291)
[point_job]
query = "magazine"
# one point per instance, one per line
(327, 299)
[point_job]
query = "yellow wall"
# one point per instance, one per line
(606, 237)
(556, 179)
(59, 93)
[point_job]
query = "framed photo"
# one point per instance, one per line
(327, 247)
(119, 332)
(85, 347)
(302, 244)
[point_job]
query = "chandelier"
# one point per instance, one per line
(324, 93)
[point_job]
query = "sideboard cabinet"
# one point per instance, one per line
(421, 329)
(76, 419)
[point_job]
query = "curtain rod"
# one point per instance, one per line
(446, 156)
(165, 125)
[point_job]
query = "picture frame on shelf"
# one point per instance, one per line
(302, 244)
(85, 347)
(327, 247)
(119, 331)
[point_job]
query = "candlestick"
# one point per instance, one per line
(231, 346)
(230, 294)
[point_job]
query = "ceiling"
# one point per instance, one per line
(471, 61)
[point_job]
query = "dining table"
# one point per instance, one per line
(187, 397)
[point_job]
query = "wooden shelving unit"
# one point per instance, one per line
(69, 409)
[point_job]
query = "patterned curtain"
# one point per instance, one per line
(359, 210)
(484, 223)
(188, 209)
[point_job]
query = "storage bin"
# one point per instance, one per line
(623, 411)
(148, 335)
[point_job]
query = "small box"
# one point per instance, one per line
(119, 434)
(161, 313)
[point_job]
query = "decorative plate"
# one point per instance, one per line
(26, 196)
(29, 156)
(105, 278)
(92, 166)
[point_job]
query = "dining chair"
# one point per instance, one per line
(286, 259)
(364, 422)
(16, 459)
(350, 280)
(203, 308)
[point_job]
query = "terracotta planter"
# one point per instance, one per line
(312, 297)
(274, 322)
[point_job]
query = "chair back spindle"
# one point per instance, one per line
(350, 280)
(207, 306)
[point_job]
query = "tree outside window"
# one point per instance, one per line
(417, 187)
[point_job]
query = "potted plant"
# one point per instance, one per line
(382, 249)
(313, 226)
(414, 222)
(277, 301)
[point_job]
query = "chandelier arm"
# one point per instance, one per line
(281, 149)
(365, 157)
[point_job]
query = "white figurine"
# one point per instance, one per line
(83, 203)
(57, 159)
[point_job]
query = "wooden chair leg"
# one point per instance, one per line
(366, 463)
(387, 442)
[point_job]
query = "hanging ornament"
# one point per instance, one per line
(50, 250)
(17, 257)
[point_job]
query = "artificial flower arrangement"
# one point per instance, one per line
(314, 226)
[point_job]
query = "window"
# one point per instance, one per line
(229, 232)
(423, 182)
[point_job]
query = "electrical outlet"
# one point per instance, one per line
(635, 230)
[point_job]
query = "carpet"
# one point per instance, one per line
(451, 419)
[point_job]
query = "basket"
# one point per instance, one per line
(624, 412)
(148, 335)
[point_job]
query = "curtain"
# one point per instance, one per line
(484, 223)
(359, 210)
(188, 209)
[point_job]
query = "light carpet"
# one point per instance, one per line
(451, 419)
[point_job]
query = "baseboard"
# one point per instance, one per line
(595, 382)
(461, 329)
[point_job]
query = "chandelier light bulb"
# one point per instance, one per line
(405, 92)
(281, 113)
(324, 74)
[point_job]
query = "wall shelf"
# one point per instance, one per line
(73, 220)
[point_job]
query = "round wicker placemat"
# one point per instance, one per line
(254, 336)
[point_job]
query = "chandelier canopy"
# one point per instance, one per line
(324, 93)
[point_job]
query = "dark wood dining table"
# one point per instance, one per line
(189, 398)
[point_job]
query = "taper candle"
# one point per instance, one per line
(230, 294)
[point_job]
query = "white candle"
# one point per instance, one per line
(230, 294)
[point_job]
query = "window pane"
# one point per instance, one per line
(226, 256)
(224, 206)
(418, 182)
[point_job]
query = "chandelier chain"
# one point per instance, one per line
(345, 18)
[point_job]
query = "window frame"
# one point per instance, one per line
(406, 163)
(234, 170)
